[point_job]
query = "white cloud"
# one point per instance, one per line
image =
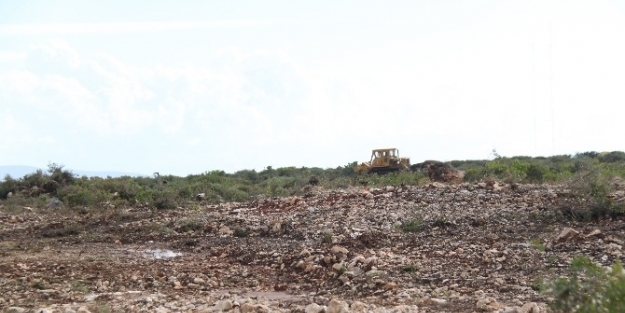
(12, 56)
(60, 49)
(20, 81)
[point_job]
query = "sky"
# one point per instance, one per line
(185, 87)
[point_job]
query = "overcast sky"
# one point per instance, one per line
(183, 87)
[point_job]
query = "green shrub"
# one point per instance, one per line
(189, 225)
(39, 284)
(536, 172)
(589, 288)
(57, 174)
(413, 226)
(8, 185)
(538, 244)
(610, 157)
(410, 268)
(241, 232)
(77, 196)
(164, 200)
(474, 174)
(313, 180)
(326, 238)
(593, 197)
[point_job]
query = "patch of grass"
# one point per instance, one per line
(589, 288)
(63, 231)
(413, 226)
(103, 309)
(593, 190)
(553, 259)
(241, 232)
(538, 244)
(537, 284)
(410, 268)
(327, 238)
(39, 284)
(188, 225)
(79, 286)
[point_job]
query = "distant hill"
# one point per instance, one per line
(18, 171)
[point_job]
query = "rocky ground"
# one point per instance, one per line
(436, 248)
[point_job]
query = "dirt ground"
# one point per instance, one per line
(437, 248)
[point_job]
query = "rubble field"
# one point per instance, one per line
(435, 248)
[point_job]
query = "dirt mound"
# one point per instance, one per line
(439, 172)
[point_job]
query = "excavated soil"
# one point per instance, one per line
(437, 248)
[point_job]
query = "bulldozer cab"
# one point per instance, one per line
(384, 161)
(384, 157)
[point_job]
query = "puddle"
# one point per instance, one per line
(154, 254)
(158, 254)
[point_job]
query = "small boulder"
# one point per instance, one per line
(338, 267)
(339, 250)
(314, 308)
(225, 230)
(488, 305)
(594, 233)
(337, 306)
(436, 185)
(566, 235)
(223, 305)
(359, 307)
(529, 307)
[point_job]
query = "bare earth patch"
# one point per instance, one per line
(439, 248)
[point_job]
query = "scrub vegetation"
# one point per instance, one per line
(591, 175)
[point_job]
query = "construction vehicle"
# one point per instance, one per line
(384, 161)
(388, 160)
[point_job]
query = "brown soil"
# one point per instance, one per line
(440, 248)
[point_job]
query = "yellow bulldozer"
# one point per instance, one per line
(384, 161)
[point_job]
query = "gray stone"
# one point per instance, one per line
(529, 307)
(567, 234)
(314, 308)
(488, 305)
(223, 305)
(339, 249)
(337, 306)
(359, 307)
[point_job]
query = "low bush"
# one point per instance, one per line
(589, 288)
(593, 197)
(169, 191)
(413, 226)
